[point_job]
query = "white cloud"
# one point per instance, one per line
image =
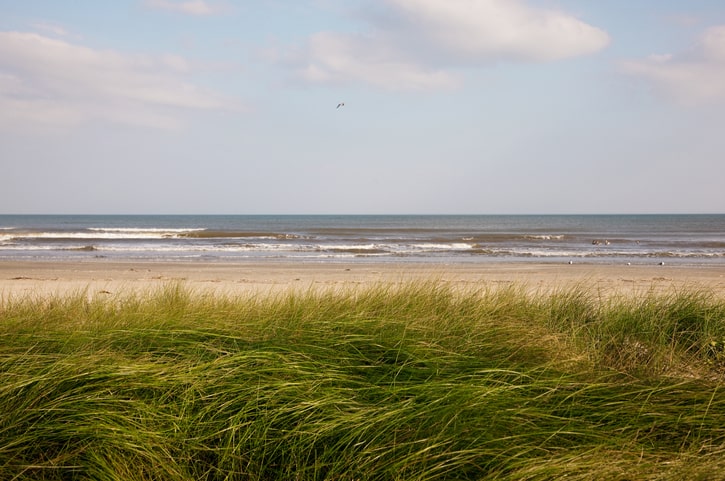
(338, 59)
(695, 76)
(481, 30)
(420, 43)
(52, 81)
(190, 7)
(51, 29)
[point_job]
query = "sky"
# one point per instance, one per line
(450, 106)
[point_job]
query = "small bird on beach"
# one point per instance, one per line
(341, 104)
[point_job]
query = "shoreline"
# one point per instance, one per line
(42, 278)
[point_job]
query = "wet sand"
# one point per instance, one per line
(20, 279)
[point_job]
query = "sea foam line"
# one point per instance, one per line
(145, 229)
(102, 233)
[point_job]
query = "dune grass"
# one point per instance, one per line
(412, 382)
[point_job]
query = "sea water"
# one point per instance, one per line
(636, 239)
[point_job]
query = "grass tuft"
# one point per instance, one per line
(393, 382)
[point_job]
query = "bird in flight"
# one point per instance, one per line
(341, 104)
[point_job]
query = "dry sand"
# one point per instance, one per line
(20, 279)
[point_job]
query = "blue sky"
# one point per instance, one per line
(451, 106)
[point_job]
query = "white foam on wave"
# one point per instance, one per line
(93, 235)
(351, 247)
(108, 233)
(539, 253)
(545, 237)
(432, 247)
(16, 247)
(144, 229)
(196, 248)
(153, 248)
(141, 232)
(4, 238)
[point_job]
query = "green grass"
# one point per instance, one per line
(418, 382)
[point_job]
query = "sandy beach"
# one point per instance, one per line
(19, 279)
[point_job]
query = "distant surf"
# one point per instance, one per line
(685, 239)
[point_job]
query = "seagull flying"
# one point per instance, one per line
(341, 104)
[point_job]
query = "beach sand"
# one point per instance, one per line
(104, 277)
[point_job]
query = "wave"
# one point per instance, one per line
(143, 229)
(104, 233)
(88, 248)
(215, 243)
(366, 251)
(532, 253)
(545, 236)
(98, 234)
(220, 234)
(289, 250)
(135, 233)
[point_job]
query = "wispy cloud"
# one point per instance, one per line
(694, 76)
(47, 80)
(333, 58)
(188, 7)
(51, 29)
(421, 44)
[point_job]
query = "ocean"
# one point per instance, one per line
(611, 239)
